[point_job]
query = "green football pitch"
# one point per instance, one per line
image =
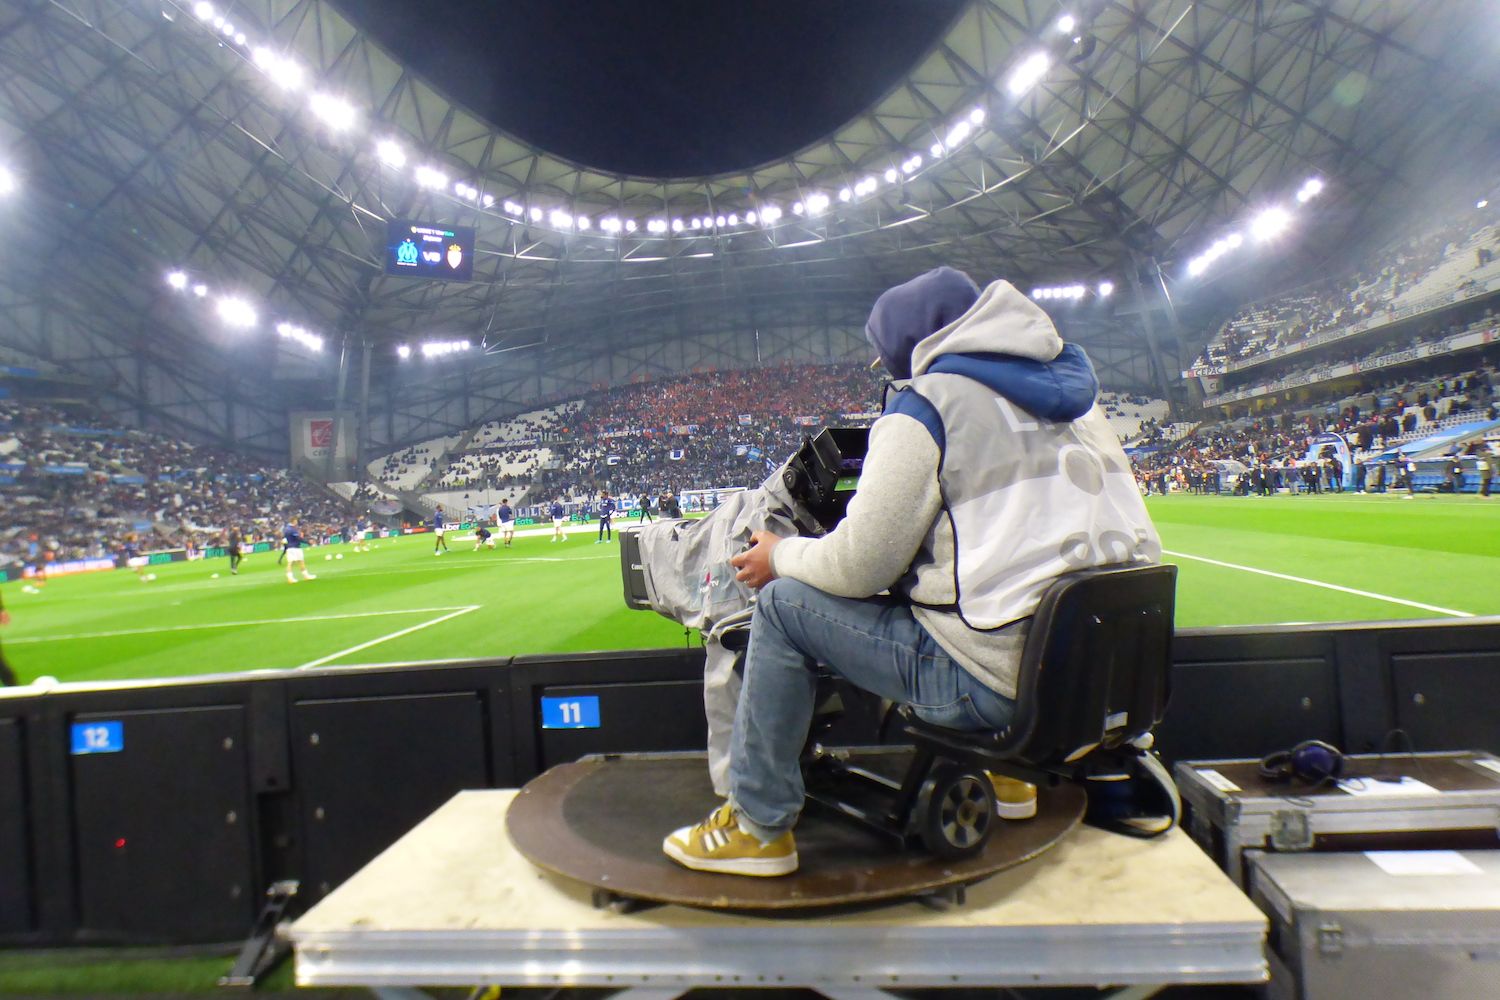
(1243, 561)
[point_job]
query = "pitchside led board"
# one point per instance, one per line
(423, 250)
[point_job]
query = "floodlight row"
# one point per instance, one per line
(1046, 293)
(237, 312)
(1264, 226)
(433, 348)
(340, 115)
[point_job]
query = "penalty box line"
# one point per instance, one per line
(387, 638)
(1326, 586)
(238, 624)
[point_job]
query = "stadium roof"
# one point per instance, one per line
(150, 136)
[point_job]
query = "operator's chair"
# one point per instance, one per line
(1092, 684)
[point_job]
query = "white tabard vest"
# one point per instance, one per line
(1029, 500)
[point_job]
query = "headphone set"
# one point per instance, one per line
(1311, 762)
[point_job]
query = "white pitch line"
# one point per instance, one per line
(1326, 586)
(387, 638)
(262, 621)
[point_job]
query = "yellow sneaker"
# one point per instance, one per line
(719, 845)
(1014, 799)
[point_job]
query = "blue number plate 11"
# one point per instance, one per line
(574, 712)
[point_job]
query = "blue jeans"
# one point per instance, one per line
(875, 644)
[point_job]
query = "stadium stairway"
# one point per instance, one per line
(440, 466)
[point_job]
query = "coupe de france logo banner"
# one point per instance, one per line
(319, 437)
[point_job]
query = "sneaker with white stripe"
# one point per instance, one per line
(719, 845)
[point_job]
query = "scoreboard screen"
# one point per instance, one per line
(421, 250)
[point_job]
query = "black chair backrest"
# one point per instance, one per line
(1094, 672)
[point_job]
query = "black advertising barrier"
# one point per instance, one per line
(158, 812)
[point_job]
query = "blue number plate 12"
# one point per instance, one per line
(574, 712)
(98, 737)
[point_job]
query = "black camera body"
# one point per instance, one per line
(808, 495)
(824, 473)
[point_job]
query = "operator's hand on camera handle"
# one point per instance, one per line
(754, 564)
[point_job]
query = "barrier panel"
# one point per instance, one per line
(159, 811)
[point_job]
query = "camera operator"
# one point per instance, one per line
(987, 476)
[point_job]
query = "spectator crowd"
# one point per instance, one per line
(75, 484)
(1371, 289)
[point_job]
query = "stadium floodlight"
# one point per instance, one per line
(236, 312)
(177, 280)
(1270, 223)
(1106, 289)
(797, 208)
(610, 224)
(891, 175)
(816, 203)
(697, 223)
(1220, 247)
(936, 150)
(976, 116)
(536, 215)
(721, 221)
(391, 153)
(630, 225)
(203, 10)
(770, 215)
(734, 220)
(200, 290)
(403, 351)
(560, 219)
(750, 218)
(845, 194)
(291, 331)
(1309, 190)
(228, 29)
(1066, 24)
(218, 22)
(582, 222)
(489, 201)
(1028, 73)
(335, 111)
(441, 348)
(1071, 292)
(430, 178)
(239, 38)
(283, 72)
(957, 134)
(511, 207)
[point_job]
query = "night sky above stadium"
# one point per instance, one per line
(666, 88)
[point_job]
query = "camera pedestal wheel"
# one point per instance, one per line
(956, 814)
